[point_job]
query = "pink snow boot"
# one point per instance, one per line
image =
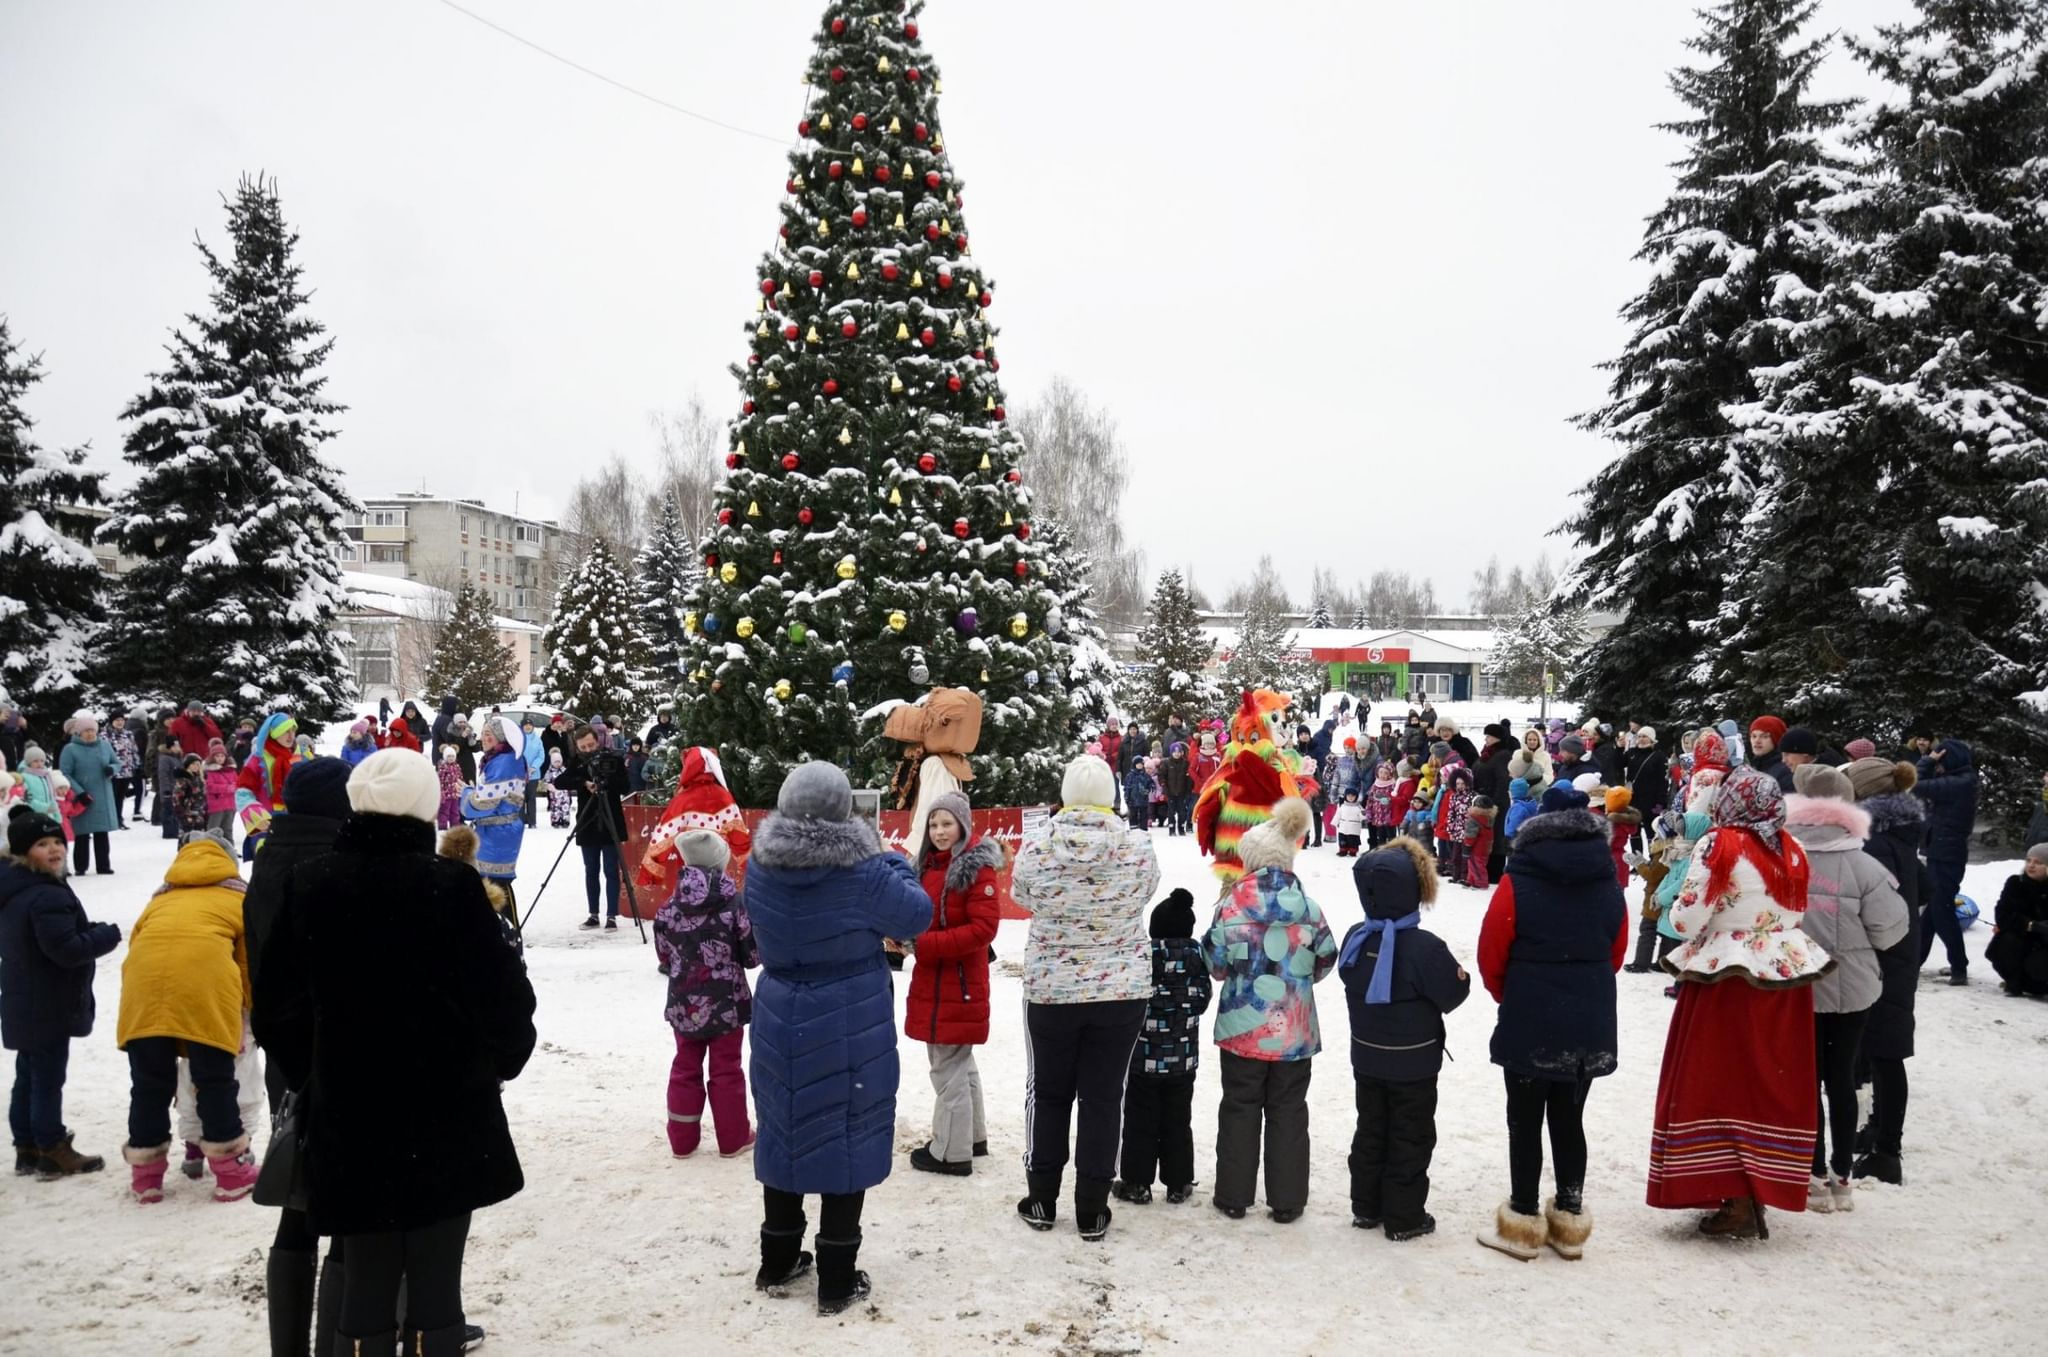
(234, 1168)
(146, 1171)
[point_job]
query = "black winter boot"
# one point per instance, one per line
(1091, 1207)
(288, 1295)
(373, 1345)
(840, 1284)
(1040, 1206)
(783, 1260)
(327, 1303)
(25, 1157)
(443, 1342)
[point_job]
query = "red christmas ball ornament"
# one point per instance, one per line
(889, 272)
(817, 278)
(831, 387)
(1013, 477)
(994, 364)
(860, 122)
(913, 75)
(850, 329)
(882, 174)
(732, 461)
(927, 463)
(910, 29)
(860, 216)
(803, 127)
(789, 332)
(1023, 532)
(838, 75)
(711, 559)
(804, 516)
(790, 184)
(920, 131)
(945, 280)
(768, 286)
(977, 355)
(790, 461)
(753, 360)
(838, 27)
(931, 230)
(1023, 569)
(782, 231)
(835, 170)
(953, 383)
(960, 241)
(724, 517)
(747, 407)
(927, 337)
(932, 179)
(961, 528)
(987, 298)
(1000, 413)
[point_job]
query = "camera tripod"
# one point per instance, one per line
(618, 832)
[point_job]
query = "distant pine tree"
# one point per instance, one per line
(235, 519)
(1176, 655)
(471, 661)
(597, 653)
(51, 592)
(1094, 676)
(664, 574)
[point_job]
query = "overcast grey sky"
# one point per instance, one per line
(1341, 270)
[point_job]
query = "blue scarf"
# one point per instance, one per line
(1380, 989)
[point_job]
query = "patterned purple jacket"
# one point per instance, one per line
(705, 947)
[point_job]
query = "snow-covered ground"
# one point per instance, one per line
(615, 1248)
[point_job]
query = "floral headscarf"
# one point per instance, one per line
(1710, 751)
(1753, 801)
(1748, 816)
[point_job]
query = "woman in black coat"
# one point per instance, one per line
(388, 988)
(1898, 823)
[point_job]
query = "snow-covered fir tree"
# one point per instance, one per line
(1898, 558)
(234, 520)
(1094, 677)
(664, 574)
(1360, 618)
(50, 586)
(1319, 611)
(1546, 636)
(1265, 656)
(1735, 253)
(1175, 654)
(597, 652)
(471, 661)
(874, 534)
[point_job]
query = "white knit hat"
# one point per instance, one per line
(395, 782)
(1274, 843)
(1589, 783)
(1088, 782)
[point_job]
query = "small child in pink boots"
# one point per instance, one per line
(705, 947)
(450, 773)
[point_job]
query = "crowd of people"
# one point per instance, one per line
(1790, 893)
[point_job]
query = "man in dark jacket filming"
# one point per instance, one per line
(598, 777)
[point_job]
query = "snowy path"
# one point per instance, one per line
(615, 1248)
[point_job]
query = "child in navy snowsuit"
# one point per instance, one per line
(1159, 1092)
(1399, 981)
(1138, 789)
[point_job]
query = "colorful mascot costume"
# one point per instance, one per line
(701, 802)
(1257, 773)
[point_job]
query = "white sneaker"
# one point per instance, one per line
(1843, 1194)
(1818, 1198)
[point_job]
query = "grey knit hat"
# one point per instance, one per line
(1820, 780)
(955, 805)
(2038, 853)
(704, 848)
(816, 791)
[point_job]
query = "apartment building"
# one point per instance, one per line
(446, 542)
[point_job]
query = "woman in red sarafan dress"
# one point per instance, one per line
(1735, 1102)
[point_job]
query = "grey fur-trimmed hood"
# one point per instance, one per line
(1560, 824)
(1892, 809)
(788, 844)
(968, 862)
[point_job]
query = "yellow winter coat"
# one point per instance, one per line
(187, 971)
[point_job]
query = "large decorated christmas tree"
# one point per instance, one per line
(874, 535)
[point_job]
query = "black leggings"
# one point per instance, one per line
(428, 1260)
(1837, 1038)
(1562, 1103)
(782, 1213)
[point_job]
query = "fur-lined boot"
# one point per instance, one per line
(234, 1168)
(1516, 1235)
(146, 1171)
(1569, 1228)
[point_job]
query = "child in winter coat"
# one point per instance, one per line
(1176, 780)
(1478, 841)
(948, 1005)
(220, 777)
(1159, 1092)
(1397, 989)
(1521, 805)
(47, 951)
(1154, 767)
(1416, 824)
(1623, 820)
(704, 943)
(559, 792)
(2019, 950)
(449, 770)
(1138, 787)
(1381, 801)
(636, 765)
(188, 795)
(1350, 824)
(1269, 946)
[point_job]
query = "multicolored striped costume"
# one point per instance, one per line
(1257, 773)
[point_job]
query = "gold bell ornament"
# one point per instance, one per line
(847, 568)
(895, 385)
(728, 572)
(895, 498)
(690, 623)
(895, 126)
(1020, 625)
(897, 621)
(845, 435)
(753, 508)
(782, 690)
(744, 628)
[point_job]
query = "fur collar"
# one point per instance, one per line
(967, 864)
(1893, 809)
(1816, 811)
(789, 844)
(1560, 824)
(382, 834)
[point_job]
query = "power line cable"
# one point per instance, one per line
(578, 66)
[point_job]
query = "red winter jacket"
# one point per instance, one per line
(398, 737)
(948, 1003)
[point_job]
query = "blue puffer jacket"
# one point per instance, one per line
(822, 895)
(1949, 787)
(47, 950)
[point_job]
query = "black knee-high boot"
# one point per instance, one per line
(288, 1295)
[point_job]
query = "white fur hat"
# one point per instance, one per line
(395, 782)
(1274, 843)
(1589, 783)
(1088, 782)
